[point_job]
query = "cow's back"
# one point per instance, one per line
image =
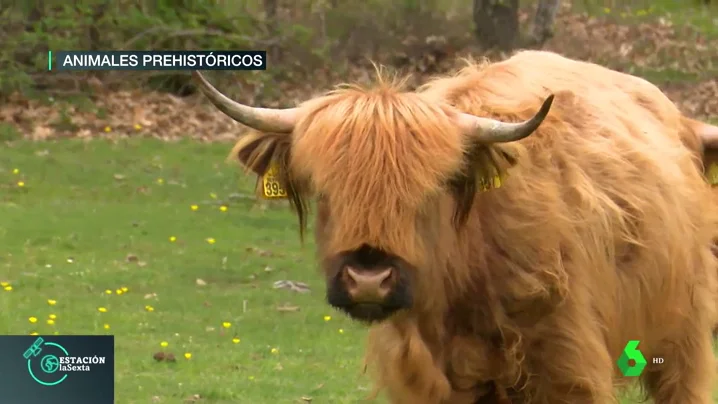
(605, 206)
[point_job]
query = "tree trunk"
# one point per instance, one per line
(497, 23)
(542, 27)
(270, 14)
(35, 15)
(94, 36)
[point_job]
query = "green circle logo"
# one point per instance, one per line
(47, 366)
(50, 364)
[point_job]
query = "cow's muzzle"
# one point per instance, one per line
(370, 293)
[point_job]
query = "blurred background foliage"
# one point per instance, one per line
(300, 35)
(306, 39)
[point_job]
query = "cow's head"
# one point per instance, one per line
(381, 165)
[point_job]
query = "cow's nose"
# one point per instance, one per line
(369, 285)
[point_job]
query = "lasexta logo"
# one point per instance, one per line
(49, 363)
(631, 354)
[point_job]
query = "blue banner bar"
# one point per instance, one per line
(78, 369)
(158, 60)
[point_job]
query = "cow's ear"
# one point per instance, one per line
(702, 138)
(491, 163)
(485, 168)
(709, 137)
(257, 150)
(710, 164)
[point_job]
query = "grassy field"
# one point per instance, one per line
(93, 218)
(102, 237)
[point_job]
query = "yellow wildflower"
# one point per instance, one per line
(188, 355)
(106, 326)
(52, 317)
(138, 126)
(213, 195)
(125, 289)
(50, 322)
(226, 324)
(149, 308)
(274, 350)
(119, 291)
(108, 129)
(108, 291)
(164, 344)
(160, 181)
(223, 208)
(194, 207)
(51, 302)
(16, 171)
(7, 288)
(20, 183)
(3, 284)
(33, 333)
(33, 319)
(173, 239)
(341, 331)
(236, 340)
(102, 309)
(327, 318)
(211, 240)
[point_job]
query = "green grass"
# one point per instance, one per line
(681, 13)
(74, 207)
(86, 206)
(701, 19)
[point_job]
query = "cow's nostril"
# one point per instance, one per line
(368, 286)
(348, 279)
(390, 280)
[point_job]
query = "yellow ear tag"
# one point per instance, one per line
(271, 188)
(712, 174)
(487, 184)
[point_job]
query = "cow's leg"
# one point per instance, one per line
(687, 372)
(570, 364)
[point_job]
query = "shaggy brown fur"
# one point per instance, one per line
(707, 155)
(600, 234)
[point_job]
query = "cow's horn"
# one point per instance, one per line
(487, 130)
(263, 119)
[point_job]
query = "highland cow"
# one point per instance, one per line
(506, 230)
